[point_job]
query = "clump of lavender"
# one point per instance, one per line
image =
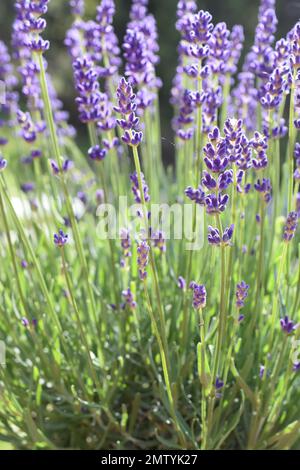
(230, 156)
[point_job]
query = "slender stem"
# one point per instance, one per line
(198, 133)
(275, 304)
(13, 256)
(222, 319)
(221, 329)
(57, 153)
(203, 379)
(230, 271)
(224, 109)
(165, 367)
(78, 320)
(151, 256)
(93, 140)
(260, 266)
(291, 145)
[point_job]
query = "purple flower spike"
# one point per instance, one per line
(196, 195)
(227, 235)
(99, 196)
(28, 130)
(261, 371)
(61, 239)
(87, 85)
(296, 367)
(298, 204)
(125, 242)
(24, 264)
(136, 190)
(127, 107)
(129, 299)
(264, 187)
(25, 322)
(219, 384)
(159, 241)
(287, 325)
(143, 259)
(132, 138)
(199, 295)
(39, 45)
(214, 237)
(290, 226)
(241, 294)
(27, 187)
(97, 153)
(66, 166)
(216, 204)
(181, 283)
(3, 163)
(77, 7)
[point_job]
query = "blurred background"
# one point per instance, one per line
(59, 19)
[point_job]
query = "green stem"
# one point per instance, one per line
(93, 140)
(203, 380)
(13, 256)
(78, 320)
(275, 304)
(224, 109)
(57, 154)
(151, 255)
(165, 368)
(291, 145)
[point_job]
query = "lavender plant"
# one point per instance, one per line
(122, 335)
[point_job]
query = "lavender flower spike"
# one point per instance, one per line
(199, 295)
(214, 237)
(136, 190)
(290, 226)
(287, 325)
(143, 259)
(241, 294)
(61, 238)
(181, 282)
(129, 299)
(3, 163)
(77, 7)
(127, 107)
